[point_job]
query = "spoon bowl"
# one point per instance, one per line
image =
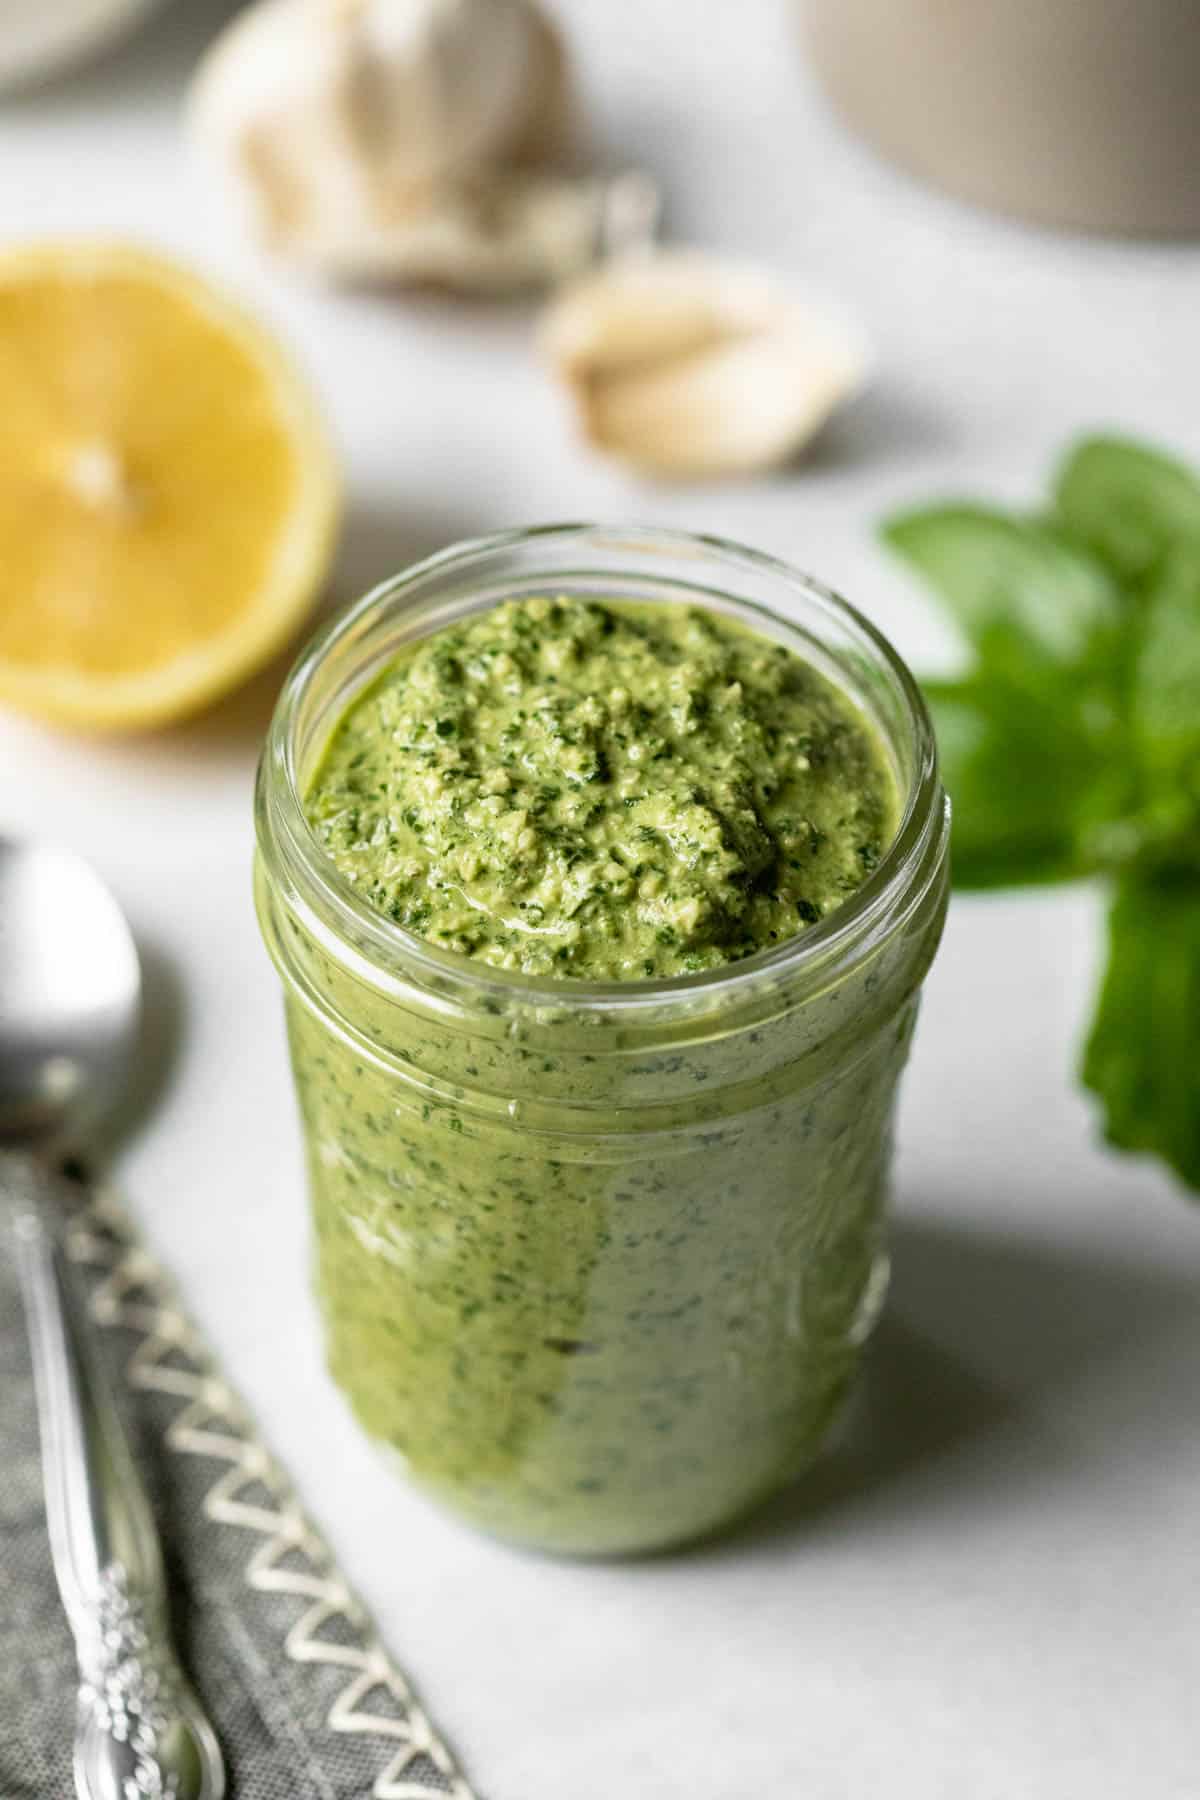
(70, 994)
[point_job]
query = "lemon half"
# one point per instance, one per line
(168, 495)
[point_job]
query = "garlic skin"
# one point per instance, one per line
(685, 365)
(402, 139)
(40, 37)
(499, 233)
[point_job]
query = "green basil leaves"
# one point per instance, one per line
(1071, 744)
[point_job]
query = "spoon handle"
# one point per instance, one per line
(106, 1554)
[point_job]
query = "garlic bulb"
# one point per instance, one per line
(401, 138)
(683, 364)
(38, 37)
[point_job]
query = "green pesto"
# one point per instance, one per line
(608, 791)
(595, 1293)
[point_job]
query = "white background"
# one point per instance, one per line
(993, 1590)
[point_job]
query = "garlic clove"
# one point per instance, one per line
(683, 364)
(405, 139)
(733, 407)
(544, 130)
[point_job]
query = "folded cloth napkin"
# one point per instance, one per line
(306, 1701)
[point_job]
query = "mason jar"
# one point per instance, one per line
(597, 1261)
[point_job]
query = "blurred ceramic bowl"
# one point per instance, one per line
(40, 37)
(1080, 113)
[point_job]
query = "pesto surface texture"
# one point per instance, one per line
(599, 1286)
(612, 791)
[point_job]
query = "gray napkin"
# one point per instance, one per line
(307, 1703)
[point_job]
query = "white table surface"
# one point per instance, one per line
(996, 1591)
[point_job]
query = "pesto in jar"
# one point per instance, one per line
(609, 791)
(599, 1285)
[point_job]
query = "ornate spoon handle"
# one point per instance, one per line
(140, 1730)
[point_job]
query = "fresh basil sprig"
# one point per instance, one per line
(1071, 745)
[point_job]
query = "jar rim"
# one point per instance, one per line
(396, 958)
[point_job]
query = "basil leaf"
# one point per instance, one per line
(1021, 591)
(1143, 1055)
(1165, 699)
(1128, 502)
(1035, 778)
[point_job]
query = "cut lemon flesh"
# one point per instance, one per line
(168, 497)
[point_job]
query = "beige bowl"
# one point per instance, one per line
(1073, 112)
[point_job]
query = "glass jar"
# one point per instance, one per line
(597, 1261)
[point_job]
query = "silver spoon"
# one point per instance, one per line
(69, 1014)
